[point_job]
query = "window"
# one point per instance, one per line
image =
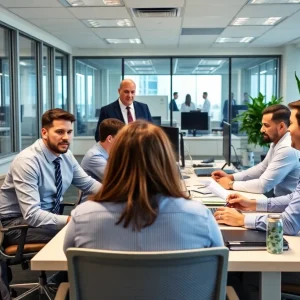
(46, 79)
(61, 80)
(6, 134)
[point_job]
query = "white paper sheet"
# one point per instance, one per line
(215, 188)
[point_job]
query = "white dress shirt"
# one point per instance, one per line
(124, 111)
(185, 108)
(279, 170)
(206, 106)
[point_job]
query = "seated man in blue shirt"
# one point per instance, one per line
(289, 204)
(280, 170)
(95, 160)
(37, 179)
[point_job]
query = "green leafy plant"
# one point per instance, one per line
(250, 120)
(298, 81)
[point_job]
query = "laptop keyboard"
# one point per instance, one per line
(212, 209)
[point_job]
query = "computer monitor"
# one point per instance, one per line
(194, 120)
(173, 135)
(97, 112)
(156, 120)
(227, 143)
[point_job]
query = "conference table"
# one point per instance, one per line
(52, 257)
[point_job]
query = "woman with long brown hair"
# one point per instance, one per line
(141, 205)
(188, 105)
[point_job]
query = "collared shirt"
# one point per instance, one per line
(94, 162)
(289, 205)
(180, 224)
(206, 106)
(279, 170)
(29, 187)
(124, 111)
(185, 108)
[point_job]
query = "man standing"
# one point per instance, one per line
(95, 160)
(226, 108)
(206, 104)
(173, 105)
(125, 108)
(289, 204)
(281, 167)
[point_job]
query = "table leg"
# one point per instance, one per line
(270, 286)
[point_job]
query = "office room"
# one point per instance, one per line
(195, 68)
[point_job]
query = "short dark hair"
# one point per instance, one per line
(205, 93)
(56, 114)
(280, 113)
(296, 105)
(175, 93)
(108, 127)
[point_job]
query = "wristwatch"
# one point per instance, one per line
(230, 184)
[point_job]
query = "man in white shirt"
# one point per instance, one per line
(125, 109)
(280, 170)
(206, 104)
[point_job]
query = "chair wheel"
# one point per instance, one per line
(13, 293)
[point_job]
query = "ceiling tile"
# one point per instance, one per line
(211, 11)
(148, 24)
(57, 23)
(153, 3)
(207, 22)
(260, 11)
(41, 13)
(197, 40)
(99, 12)
(213, 2)
(115, 33)
(230, 45)
(30, 3)
(242, 31)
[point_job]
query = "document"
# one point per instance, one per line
(215, 188)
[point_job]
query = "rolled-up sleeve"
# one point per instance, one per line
(26, 177)
(281, 164)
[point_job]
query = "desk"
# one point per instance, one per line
(52, 258)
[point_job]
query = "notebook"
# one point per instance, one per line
(243, 240)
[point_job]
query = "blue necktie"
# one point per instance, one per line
(58, 184)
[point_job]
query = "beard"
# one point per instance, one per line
(55, 148)
(266, 138)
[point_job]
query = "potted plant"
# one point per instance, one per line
(298, 81)
(250, 120)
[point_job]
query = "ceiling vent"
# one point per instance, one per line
(161, 12)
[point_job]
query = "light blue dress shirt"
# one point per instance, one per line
(180, 224)
(279, 170)
(289, 205)
(29, 187)
(94, 162)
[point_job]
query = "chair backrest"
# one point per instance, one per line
(189, 274)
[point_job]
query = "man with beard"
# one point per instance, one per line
(280, 170)
(37, 179)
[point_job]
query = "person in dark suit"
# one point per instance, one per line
(125, 108)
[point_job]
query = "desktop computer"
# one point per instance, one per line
(226, 153)
(194, 120)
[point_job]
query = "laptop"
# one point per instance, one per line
(207, 171)
(244, 240)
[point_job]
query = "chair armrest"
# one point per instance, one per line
(231, 294)
(62, 291)
(63, 205)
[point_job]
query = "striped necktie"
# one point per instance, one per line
(58, 184)
(129, 115)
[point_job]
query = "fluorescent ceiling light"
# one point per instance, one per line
(255, 21)
(123, 41)
(144, 69)
(23, 63)
(234, 40)
(94, 2)
(211, 62)
(274, 1)
(263, 72)
(204, 68)
(108, 23)
(133, 63)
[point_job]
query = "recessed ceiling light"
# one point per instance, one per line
(140, 63)
(144, 69)
(92, 2)
(123, 41)
(211, 62)
(108, 23)
(274, 1)
(255, 21)
(234, 40)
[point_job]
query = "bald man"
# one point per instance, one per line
(125, 108)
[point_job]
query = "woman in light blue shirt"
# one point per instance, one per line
(141, 205)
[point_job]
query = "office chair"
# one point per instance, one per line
(21, 254)
(189, 274)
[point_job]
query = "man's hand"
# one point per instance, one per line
(216, 175)
(229, 216)
(240, 202)
(224, 182)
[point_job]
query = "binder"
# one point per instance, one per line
(246, 240)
